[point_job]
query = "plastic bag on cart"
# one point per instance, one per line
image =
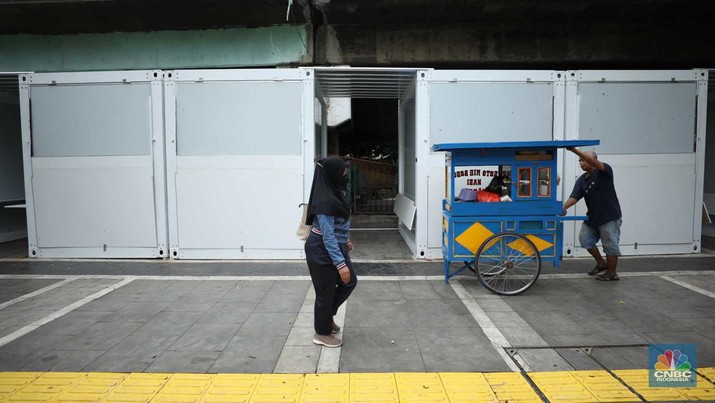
(495, 185)
(486, 196)
(468, 195)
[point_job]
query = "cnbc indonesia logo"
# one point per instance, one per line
(672, 367)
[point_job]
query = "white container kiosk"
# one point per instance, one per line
(223, 179)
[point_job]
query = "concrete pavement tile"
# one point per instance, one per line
(422, 290)
(506, 318)
(193, 303)
(5, 330)
(134, 354)
(704, 326)
(249, 354)
(545, 359)
(298, 360)
(267, 324)
(139, 311)
(110, 302)
(168, 324)
(444, 290)
(216, 288)
(139, 286)
(63, 360)
(228, 312)
(25, 317)
(28, 348)
(25, 286)
(578, 359)
(622, 357)
(73, 323)
(439, 313)
(101, 336)
(552, 323)
(380, 349)
(280, 303)
(457, 349)
(301, 336)
(377, 291)
(477, 290)
(304, 319)
(677, 308)
(379, 313)
(494, 305)
(184, 361)
(206, 337)
(245, 292)
(522, 336)
(290, 287)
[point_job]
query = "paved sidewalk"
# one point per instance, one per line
(155, 317)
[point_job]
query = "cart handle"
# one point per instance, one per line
(571, 218)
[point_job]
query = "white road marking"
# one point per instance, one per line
(689, 286)
(69, 308)
(499, 342)
(329, 361)
(37, 292)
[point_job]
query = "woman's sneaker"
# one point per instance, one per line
(327, 341)
(336, 328)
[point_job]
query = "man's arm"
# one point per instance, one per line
(588, 157)
(570, 202)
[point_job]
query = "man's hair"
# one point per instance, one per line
(595, 156)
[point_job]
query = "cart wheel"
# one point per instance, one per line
(508, 264)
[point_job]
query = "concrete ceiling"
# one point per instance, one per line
(95, 16)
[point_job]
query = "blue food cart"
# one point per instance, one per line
(504, 240)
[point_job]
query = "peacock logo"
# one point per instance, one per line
(672, 360)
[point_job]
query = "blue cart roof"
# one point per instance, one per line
(515, 144)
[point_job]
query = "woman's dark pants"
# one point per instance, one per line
(330, 291)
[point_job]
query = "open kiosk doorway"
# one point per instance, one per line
(13, 220)
(370, 130)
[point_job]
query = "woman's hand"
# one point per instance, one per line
(344, 274)
(350, 246)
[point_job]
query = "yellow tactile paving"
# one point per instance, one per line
(467, 387)
(236, 388)
(512, 387)
(373, 388)
(326, 388)
(420, 387)
(638, 380)
(571, 386)
(582, 386)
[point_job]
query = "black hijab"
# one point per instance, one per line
(327, 194)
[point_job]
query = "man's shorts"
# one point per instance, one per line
(609, 234)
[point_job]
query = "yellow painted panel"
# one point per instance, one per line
(473, 237)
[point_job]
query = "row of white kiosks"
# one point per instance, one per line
(212, 164)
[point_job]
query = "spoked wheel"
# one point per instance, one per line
(508, 264)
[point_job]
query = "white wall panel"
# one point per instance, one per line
(92, 202)
(463, 112)
(235, 202)
(638, 118)
(239, 118)
(91, 120)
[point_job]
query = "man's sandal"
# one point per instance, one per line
(596, 270)
(607, 277)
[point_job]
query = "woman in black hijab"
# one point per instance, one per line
(328, 245)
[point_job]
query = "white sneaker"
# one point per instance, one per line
(327, 341)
